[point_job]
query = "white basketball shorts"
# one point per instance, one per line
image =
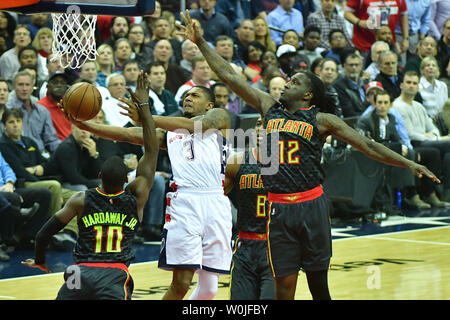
(198, 230)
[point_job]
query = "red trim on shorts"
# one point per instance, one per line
(295, 197)
(252, 235)
(104, 265)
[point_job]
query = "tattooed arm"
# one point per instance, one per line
(331, 124)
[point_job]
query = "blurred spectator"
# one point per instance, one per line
(7, 26)
(327, 19)
(222, 100)
(350, 87)
(311, 41)
(52, 65)
(175, 74)
(164, 102)
(28, 56)
(445, 75)
(9, 60)
(201, 76)
(380, 125)
(116, 85)
(141, 50)
(122, 52)
(43, 44)
(213, 22)
(245, 34)
(4, 94)
(161, 30)
(423, 133)
(292, 38)
(105, 63)
(427, 47)
(384, 33)
(300, 64)
(130, 72)
(433, 91)
(119, 28)
(22, 233)
(286, 55)
(252, 58)
(56, 88)
(389, 75)
(419, 19)
(377, 48)
(38, 21)
(276, 87)
(440, 11)
(37, 121)
(369, 15)
(28, 165)
(77, 161)
(262, 34)
(189, 50)
(88, 71)
(149, 21)
(238, 10)
(267, 73)
(328, 73)
(225, 48)
(337, 43)
(372, 89)
(285, 17)
(443, 45)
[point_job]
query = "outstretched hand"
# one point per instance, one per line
(32, 264)
(191, 30)
(420, 170)
(138, 97)
(141, 94)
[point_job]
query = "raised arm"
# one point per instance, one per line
(258, 99)
(145, 172)
(331, 124)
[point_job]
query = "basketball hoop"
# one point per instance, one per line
(74, 37)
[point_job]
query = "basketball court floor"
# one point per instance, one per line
(401, 258)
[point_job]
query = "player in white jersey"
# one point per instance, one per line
(197, 232)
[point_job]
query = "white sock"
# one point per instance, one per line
(207, 285)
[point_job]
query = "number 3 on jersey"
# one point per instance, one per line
(113, 233)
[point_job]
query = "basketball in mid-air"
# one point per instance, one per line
(82, 101)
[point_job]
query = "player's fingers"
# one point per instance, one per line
(188, 15)
(183, 17)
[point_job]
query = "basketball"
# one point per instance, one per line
(82, 101)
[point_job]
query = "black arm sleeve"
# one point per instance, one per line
(43, 237)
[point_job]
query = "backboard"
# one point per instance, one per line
(90, 7)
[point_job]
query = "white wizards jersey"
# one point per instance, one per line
(197, 160)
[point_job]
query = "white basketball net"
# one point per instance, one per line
(74, 39)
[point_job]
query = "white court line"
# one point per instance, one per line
(388, 233)
(7, 297)
(409, 240)
(335, 240)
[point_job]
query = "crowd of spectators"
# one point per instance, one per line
(385, 63)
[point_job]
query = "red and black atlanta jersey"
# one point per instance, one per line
(107, 227)
(300, 150)
(250, 196)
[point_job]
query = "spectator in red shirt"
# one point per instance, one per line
(369, 15)
(56, 88)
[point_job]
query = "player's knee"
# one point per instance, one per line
(207, 293)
